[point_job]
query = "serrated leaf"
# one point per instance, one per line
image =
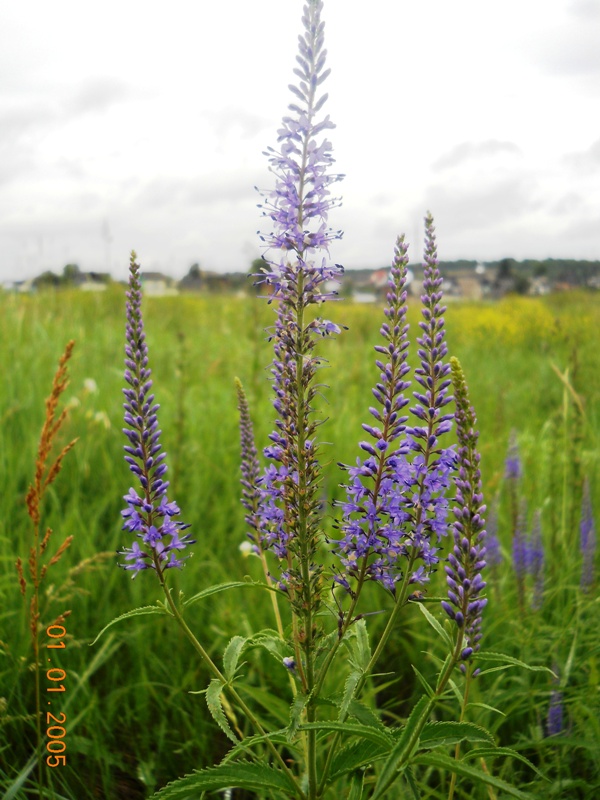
(296, 710)
(404, 749)
(135, 612)
(223, 587)
(349, 688)
(350, 729)
(365, 716)
(435, 624)
(231, 656)
(443, 762)
(239, 775)
(355, 755)
(213, 701)
(446, 734)
(492, 752)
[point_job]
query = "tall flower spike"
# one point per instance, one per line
(148, 513)
(373, 523)
(297, 273)
(433, 463)
(466, 561)
(396, 508)
(250, 469)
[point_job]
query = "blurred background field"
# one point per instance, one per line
(533, 368)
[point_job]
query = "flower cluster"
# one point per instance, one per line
(396, 510)
(148, 514)
(466, 561)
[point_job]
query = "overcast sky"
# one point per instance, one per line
(136, 125)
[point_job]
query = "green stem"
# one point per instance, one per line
(463, 710)
(218, 674)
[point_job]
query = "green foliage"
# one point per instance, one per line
(134, 718)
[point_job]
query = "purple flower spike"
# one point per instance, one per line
(554, 723)
(148, 513)
(466, 561)
(396, 510)
(432, 373)
(297, 275)
(251, 495)
(587, 540)
(373, 524)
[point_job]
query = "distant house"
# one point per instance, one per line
(379, 279)
(157, 284)
(364, 297)
(91, 281)
(20, 287)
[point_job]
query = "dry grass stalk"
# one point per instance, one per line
(45, 474)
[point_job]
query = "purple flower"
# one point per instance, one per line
(554, 723)
(298, 275)
(148, 513)
(493, 552)
(466, 561)
(587, 539)
(512, 466)
(396, 511)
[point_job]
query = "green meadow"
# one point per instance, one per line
(135, 717)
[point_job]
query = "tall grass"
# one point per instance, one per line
(132, 722)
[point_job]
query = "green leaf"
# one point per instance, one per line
(492, 752)
(410, 779)
(349, 688)
(445, 763)
(363, 648)
(365, 716)
(446, 734)
(357, 754)
(246, 745)
(223, 587)
(486, 707)
(239, 775)
(506, 663)
(135, 612)
(231, 656)
(350, 729)
(423, 682)
(277, 707)
(435, 625)
(405, 747)
(356, 786)
(325, 645)
(213, 700)
(296, 710)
